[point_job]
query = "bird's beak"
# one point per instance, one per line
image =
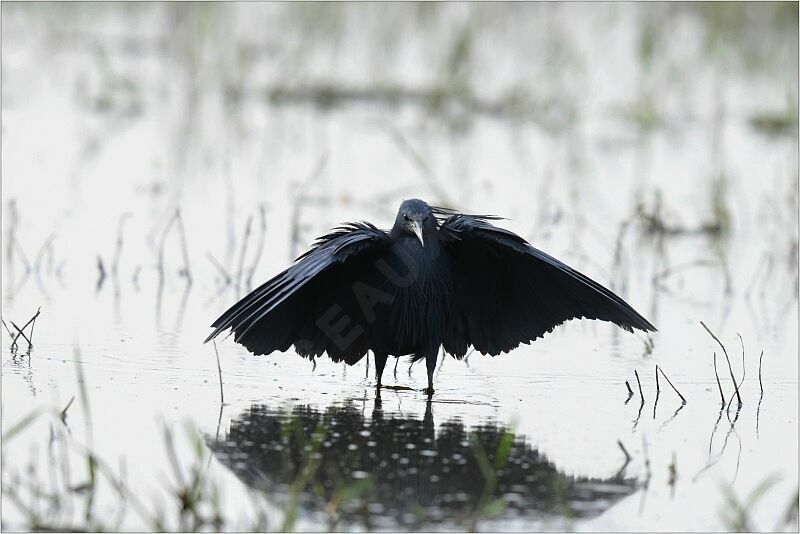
(417, 229)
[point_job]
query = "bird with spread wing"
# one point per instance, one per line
(438, 278)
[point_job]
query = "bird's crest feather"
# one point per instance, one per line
(442, 214)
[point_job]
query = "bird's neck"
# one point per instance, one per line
(410, 242)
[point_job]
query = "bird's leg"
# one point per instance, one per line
(430, 363)
(380, 363)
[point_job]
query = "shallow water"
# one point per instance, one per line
(141, 110)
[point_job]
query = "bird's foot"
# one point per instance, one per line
(428, 391)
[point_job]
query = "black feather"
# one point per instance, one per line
(509, 292)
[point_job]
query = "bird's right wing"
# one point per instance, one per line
(305, 304)
(507, 292)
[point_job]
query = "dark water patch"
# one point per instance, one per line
(378, 469)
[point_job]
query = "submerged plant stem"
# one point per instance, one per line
(730, 368)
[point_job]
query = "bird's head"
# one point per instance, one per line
(416, 218)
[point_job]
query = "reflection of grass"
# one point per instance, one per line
(643, 113)
(735, 34)
(66, 500)
(721, 213)
(738, 513)
(69, 499)
(746, 33)
(455, 100)
(775, 124)
(655, 221)
(562, 499)
(312, 463)
(489, 506)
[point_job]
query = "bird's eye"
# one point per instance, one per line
(406, 217)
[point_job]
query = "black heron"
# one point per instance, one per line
(438, 278)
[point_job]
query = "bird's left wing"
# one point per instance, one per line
(314, 294)
(507, 292)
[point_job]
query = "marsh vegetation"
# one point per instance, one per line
(160, 160)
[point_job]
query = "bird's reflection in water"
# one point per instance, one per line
(388, 470)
